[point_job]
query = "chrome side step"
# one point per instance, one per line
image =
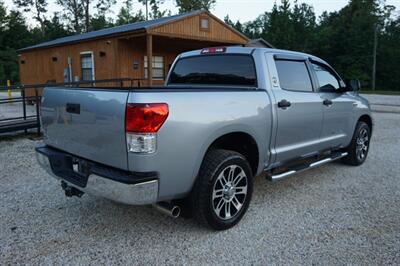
(302, 168)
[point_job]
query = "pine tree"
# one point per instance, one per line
(192, 5)
(74, 14)
(126, 14)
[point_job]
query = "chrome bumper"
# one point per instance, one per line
(133, 194)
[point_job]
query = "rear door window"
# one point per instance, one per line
(228, 69)
(294, 75)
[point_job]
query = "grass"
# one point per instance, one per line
(380, 92)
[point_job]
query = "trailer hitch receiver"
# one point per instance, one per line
(71, 191)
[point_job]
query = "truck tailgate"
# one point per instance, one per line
(89, 123)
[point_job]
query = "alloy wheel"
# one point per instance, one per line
(362, 144)
(229, 192)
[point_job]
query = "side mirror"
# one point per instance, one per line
(327, 88)
(353, 85)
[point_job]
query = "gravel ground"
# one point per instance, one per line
(332, 215)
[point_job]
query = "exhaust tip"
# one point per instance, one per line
(166, 208)
(175, 211)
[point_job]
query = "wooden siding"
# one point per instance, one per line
(39, 67)
(189, 28)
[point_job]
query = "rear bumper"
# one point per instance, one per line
(100, 180)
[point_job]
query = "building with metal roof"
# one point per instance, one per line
(123, 51)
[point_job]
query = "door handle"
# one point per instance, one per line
(327, 102)
(73, 108)
(284, 104)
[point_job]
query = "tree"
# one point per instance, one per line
(285, 27)
(279, 29)
(256, 28)
(3, 17)
(74, 13)
(55, 29)
(99, 20)
(3, 24)
(192, 5)
(388, 72)
(14, 34)
(38, 7)
(303, 21)
(154, 7)
(237, 26)
(126, 14)
(103, 6)
(17, 34)
(346, 38)
(86, 8)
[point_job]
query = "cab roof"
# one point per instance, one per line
(251, 50)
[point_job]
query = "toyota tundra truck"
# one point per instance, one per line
(224, 116)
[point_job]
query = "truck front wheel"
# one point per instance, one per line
(359, 146)
(223, 190)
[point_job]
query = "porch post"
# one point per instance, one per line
(150, 59)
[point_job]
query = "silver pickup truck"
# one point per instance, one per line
(226, 115)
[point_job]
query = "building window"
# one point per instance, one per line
(87, 66)
(204, 23)
(158, 67)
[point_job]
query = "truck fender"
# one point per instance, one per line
(234, 128)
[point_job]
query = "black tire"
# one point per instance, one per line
(353, 157)
(214, 168)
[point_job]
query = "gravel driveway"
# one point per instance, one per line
(335, 214)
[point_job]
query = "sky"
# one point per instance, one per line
(243, 10)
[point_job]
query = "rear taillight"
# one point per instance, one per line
(142, 121)
(145, 117)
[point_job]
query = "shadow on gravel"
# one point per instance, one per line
(100, 218)
(20, 135)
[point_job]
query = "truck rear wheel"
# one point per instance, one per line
(223, 190)
(359, 146)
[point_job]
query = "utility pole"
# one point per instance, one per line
(374, 57)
